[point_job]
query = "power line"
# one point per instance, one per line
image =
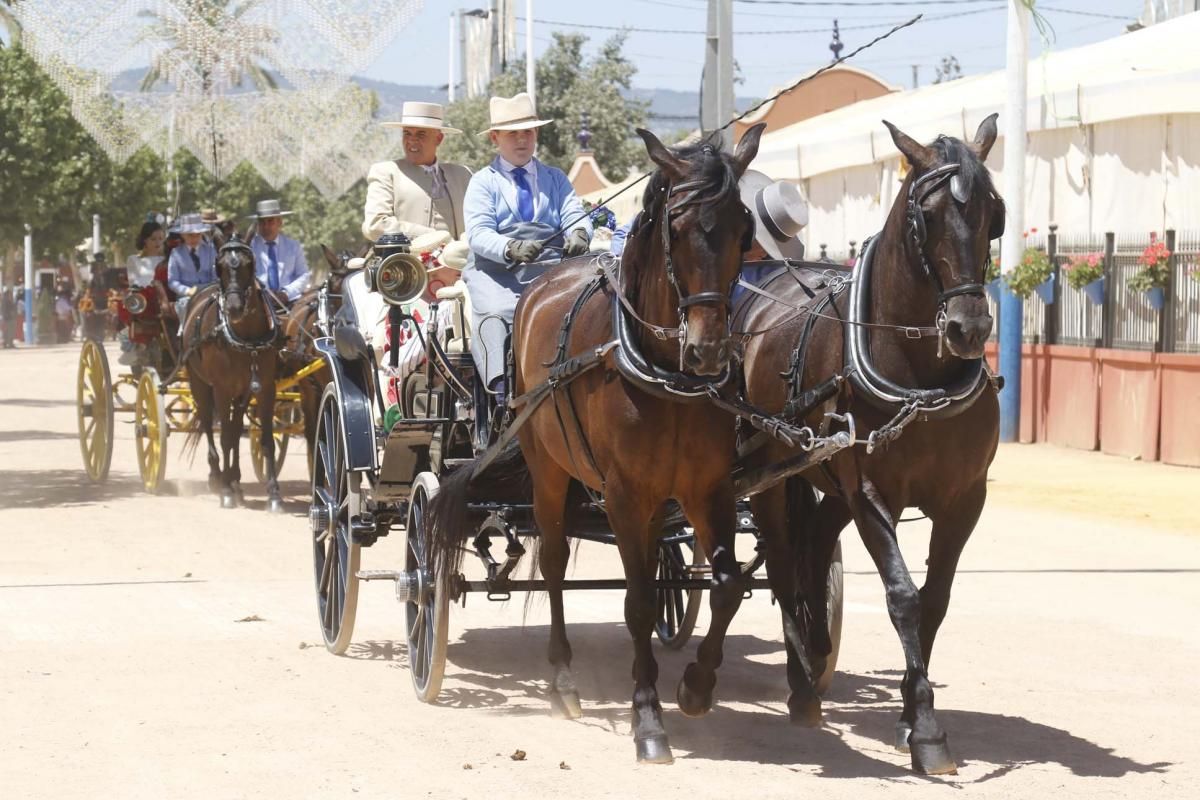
(869, 3)
(1084, 13)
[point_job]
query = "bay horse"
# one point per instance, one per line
(230, 339)
(909, 337)
(636, 445)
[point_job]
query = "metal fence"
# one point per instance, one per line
(1125, 319)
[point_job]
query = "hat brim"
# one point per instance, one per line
(194, 228)
(518, 126)
(442, 128)
(270, 216)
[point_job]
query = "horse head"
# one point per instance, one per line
(697, 227)
(235, 274)
(952, 212)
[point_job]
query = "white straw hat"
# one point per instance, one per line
(780, 212)
(422, 115)
(514, 113)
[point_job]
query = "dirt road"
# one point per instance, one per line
(155, 647)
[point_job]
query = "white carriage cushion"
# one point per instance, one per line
(460, 315)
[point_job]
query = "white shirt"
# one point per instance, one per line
(530, 177)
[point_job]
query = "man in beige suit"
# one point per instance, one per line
(416, 194)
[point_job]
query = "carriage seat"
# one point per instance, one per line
(458, 332)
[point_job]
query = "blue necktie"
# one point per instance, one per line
(524, 195)
(272, 268)
(196, 262)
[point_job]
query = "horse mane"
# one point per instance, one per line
(707, 165)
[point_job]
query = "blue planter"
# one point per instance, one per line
(1045, 290)
(1095, 291)
(1155, 297)
(994, 288)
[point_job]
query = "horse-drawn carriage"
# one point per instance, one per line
(155, 389)
(613, 443)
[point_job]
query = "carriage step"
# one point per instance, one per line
(378, 574)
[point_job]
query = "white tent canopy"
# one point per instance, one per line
(1113, 139)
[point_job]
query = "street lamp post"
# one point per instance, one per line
(28, 284)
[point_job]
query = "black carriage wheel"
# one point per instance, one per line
(426, 614)
(834, 607)
(336, 499)
(677, 609)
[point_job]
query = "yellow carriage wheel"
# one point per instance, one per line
(287, 415)
(94, 409)
(150, 431)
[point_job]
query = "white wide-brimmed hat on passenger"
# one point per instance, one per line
(428, 242)
(780, 212)
(455, 254)
(414, 114)
(265, 209)
(514, 113)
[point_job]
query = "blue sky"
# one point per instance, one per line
(672, 61)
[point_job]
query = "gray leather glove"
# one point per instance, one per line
(577, 243)
(522, 252)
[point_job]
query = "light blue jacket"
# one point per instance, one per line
(181, 272)
(490, 206)
(293, 266)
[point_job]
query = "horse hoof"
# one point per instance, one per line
(228, 500)
(565, 705)
(804, 713)
(932, 757)
(654, 750)
(903, 731)
(214, 484)
(275, 505)
(691, 703)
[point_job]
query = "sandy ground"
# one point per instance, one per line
(161, 647)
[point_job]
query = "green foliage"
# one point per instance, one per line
(1033, 270)
(1083, 269)
(568, 84)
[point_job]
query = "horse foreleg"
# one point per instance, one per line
(551, 487)
(630, 520)
(202, 398)
(951, 529)
(713, 517)
(237, 422)
(924, 738)
(266, 425)
(779, 533)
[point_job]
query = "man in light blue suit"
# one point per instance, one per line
(279, 260)
(193, 264)
(514, 209)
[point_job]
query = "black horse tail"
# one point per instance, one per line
(450, 523)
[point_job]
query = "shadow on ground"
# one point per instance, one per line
(51, 488)
(505, 669)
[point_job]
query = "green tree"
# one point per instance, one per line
(568, 84)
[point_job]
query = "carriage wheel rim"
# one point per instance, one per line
(419, 613)
(334, 551)
(93, 405)
(150, 432)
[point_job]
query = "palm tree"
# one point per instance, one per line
(210, 56)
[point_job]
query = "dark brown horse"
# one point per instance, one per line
(919, 328)
(231, 339)
(638, 446)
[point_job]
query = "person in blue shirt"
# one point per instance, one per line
(279, 261)
(193, 264)
(513, 211)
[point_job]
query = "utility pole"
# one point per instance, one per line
(1011, 306)
(96, 248)
(529, 79)
(450, 65)
(716, 104)
(494, 19)
(915, 68)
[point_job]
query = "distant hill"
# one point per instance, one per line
(670, 110)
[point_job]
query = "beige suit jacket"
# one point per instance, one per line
(398, 199)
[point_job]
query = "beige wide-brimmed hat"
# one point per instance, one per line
(212, 217)
(514, 113)
(455, 254)
(780, 211)
(428, 242)
(265, 209)
(422, 115)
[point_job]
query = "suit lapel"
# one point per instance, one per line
(417, 175)
(506, 187)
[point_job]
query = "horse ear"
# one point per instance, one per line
(218, 237)
(660, 155)
(985, 137)
(331, 258)
(747, 148)
(918, 155)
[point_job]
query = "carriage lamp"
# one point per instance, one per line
(134, 302)
(394, 271)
